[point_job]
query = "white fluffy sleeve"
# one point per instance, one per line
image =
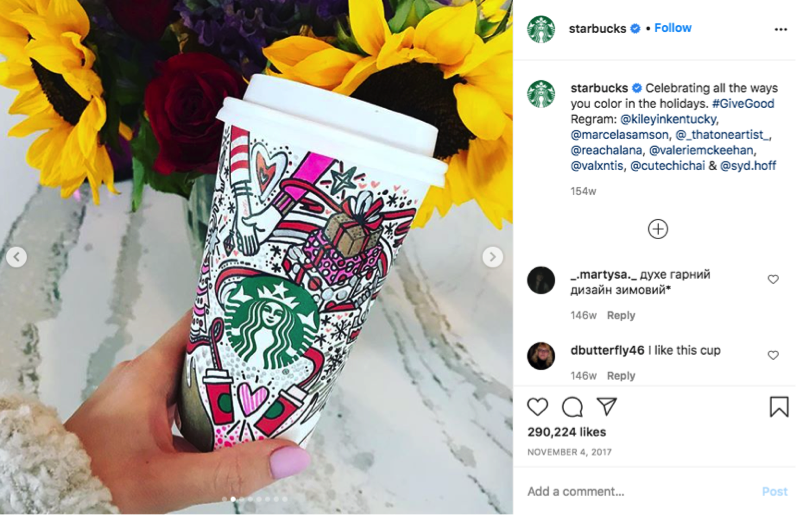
(43, 468)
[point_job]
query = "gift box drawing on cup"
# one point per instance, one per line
(298, 246)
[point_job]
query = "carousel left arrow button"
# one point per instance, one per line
(16, 257)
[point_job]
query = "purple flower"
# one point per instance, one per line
(237, 30)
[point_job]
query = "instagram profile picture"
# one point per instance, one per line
(541, 356)
(541, 29)
(541, 93)
(541, 280)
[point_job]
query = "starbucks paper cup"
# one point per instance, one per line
(314, 198)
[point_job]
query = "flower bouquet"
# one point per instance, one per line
(124, 90)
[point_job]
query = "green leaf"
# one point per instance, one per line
(138, 183)
(422, 8)
(144, 148)
(504, 23)
(398, 22)
(178, 183)
(485, 27)
(346, 41)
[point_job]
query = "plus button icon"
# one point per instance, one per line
(658, 229)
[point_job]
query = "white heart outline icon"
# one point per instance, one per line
(773, 354)
(535, 405)
(773, 278)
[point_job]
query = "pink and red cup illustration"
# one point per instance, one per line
(310, 209)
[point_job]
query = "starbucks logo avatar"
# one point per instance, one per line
(541, 93)
(270, 322)
(541, 29)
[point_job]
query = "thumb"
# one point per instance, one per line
(237, 471)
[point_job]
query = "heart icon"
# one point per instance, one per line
(773, 354)
(269, 169)
(374, 184)
(773, 279)
(396, 188)
(251, 401)
(537, 406)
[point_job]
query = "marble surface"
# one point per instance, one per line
(421, 419)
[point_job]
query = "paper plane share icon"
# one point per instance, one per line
(608, 403)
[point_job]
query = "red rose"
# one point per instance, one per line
(143, 19)
(182, 104)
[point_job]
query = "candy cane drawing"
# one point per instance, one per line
(253, 228)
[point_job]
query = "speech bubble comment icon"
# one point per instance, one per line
(572, 407)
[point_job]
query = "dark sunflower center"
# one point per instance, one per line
(421, 91)
(66, 101)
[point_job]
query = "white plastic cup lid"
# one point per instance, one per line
(342, 112)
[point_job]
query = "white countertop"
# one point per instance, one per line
(421, 419)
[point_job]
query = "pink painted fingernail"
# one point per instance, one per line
(288, 461)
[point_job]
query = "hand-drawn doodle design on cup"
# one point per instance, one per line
(270, 322)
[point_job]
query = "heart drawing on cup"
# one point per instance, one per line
(537, 406)
(269, 169)
(773, 354)
(251, 401)
(773, 279)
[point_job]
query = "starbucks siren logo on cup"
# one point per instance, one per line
(314, 197)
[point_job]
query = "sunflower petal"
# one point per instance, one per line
(85, 82)
(493, 9)
(396, 49)
(54, 55)
(104, 169)
(357, 75)
(436, 198)
(68, 188)
(495, 77)
(30, 101)
(502, 44)
(489, 172)
(13, 37)
(69, 15)
(456, 179)
(368, 24)
(479, 111)
(327, 68)
(45, 120)
(33, 23)
(17, 76)
(91, 121)
(44, 153)
(77, 42)
(447, 33)
(288, 52)
(125, 131)
(72, 154)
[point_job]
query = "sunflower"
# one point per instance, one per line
(51, 68)
(439, 71)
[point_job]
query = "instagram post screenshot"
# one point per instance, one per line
(262, 256)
